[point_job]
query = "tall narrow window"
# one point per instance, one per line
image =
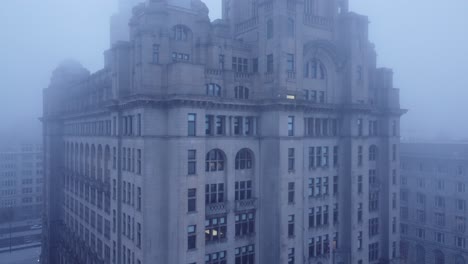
(290, 63)
(192, 200)
(191, 237)
(155, 53)
(269, 29)
(290, 126)
(270, 63)
(291, 225)
(291, 159)
(291, 192)
(291, 27)
(192, 162)
(139, 161)
(191, 124)
(255, 65)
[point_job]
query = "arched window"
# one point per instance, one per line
(269, 29)
(244, 159)
(213, 89)
(180, 32)
(241, 92)
(420, 255)
(291, 27)
(215, 160)
(315, 69)
(439, 257)
(373, 153)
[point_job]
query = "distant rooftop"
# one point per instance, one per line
(448, 149)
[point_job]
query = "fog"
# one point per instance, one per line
(425, 42)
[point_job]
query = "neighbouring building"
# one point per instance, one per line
(433, 197)
(267, 136)
(21, 180)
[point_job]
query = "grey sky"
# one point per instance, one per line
(425, 42)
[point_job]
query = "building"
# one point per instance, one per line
(268, 136)
(434, 177)
(21, 180)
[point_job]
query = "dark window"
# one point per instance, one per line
(270, 63)
(216, 258)
(290, 63)
(237, 125)
(215, 160)
(209, 120)
(191, 119)
(214, 193)
(241, 92)
(180, 32)
(291, 225)
(192, 237)
(290, 126)
(244, 159)
(291, 27)
(155, 53)
(269, 29)
(192, 200)
(220, 125)
(291, 159)
(192, 162)
(213, 90)
(245, 224)
(255, 65)
(291, 192)
(243, 190)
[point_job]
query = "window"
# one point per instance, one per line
(311, 217)
(359, 186)
(255, 65)
(209, 121)
(440, 219)
(220, 125)
(291, 192)
(372, 153)
(290, 64)
(359, 124)
(213, 89)
(373, 227)
(335, 156)
(243, 190)
(394, 152)
(291, 27)
(215, 229)
(360, 155)
(180, 32)
(291, 225)
(311, 157)
(461, 205)
(191, 124)
(244, 160)
(240, 64)
(290, 126)
(440, 202)
(192, 200)
(314, 69)
(373, 201)
(460, 222)
(214, 161)
(291, 159)
(176, 56)
(359, 213)
(439, 237)
(270, 63)
(216, 258)
(269, 29)
(192, 162)
(191, 237)
(155, 57)
(245, 255)
(460, 242)
(214, 193)
(241, 92)
(139, 198)
(139, 161)
(221, 61)
(291, 256)
(335, 185)
(373, 251)
(245, 224)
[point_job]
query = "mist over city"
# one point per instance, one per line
(233, 131)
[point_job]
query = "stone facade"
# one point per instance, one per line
(268, 136)
(21, 181)
(434, 182)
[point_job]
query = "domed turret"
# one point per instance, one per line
(68, 72)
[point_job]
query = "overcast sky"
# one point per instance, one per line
(425, 42)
